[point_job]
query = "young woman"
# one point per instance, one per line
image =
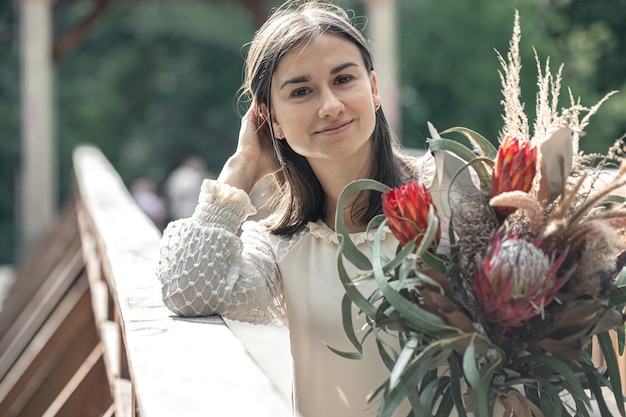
(315, 123)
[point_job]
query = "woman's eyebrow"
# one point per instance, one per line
(295, 80)
(305, 78)
(343, 67)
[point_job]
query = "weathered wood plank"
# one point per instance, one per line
(37, 309)
(190, 367)
(51, 357)
(34, 272)
(85, 394)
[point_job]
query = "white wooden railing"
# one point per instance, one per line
(158, 364)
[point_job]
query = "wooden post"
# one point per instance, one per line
(381, 29)
(37, 191)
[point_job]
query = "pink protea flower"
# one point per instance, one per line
(515, 169)
(516, 280)
(406, 209)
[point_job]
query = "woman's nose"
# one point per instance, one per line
(330, 104)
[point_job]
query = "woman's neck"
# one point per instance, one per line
(333, 183)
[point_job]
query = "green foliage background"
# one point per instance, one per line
(152, 83)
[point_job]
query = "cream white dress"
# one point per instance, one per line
(214, 263)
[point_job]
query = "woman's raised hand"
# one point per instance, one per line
(255, 156)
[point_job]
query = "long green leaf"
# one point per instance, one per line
(612, 366)
(464, 153)
(352, 292)
(348, 326)
(455, 386)
(620, 281)
(412, 376)
(617, 297)
(621, 339)
(550, 399)
(388, 360)
(568, 378)
(596, 389)
(482, 145)
(429, 393)
(474, 378)
(403, 360)
(446, 404)
(430, 234)
(348, 248)
(427, 322)
(456, 148)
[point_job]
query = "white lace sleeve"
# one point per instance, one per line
(206, 268)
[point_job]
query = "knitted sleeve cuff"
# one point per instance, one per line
(222, 205)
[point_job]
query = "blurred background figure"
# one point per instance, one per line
(182, 187)
(144, 191)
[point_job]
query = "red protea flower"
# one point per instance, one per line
(406, 209)
(514, 170)
(516, 280)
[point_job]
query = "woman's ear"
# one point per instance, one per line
(375, 94)
(264, 114)
(275, 128)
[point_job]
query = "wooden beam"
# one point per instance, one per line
(382, 29)
(71, 38)
(38, 176)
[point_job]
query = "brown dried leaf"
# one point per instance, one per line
(577, 317)
(565, 349)
(447, 310)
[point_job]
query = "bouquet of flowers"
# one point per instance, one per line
(509, 269)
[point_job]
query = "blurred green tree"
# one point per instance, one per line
(449, 63)
(9, 129)
(152, 84)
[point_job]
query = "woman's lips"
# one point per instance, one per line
(336, 127)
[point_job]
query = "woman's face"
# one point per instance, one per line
(324, 101)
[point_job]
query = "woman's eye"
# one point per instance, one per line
(300, 92)
(343, 79)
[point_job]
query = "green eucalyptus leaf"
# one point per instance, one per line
(430, 234)
(480, 143)
(446, 404)
(617, 296)
(620, 281)
(347, 247)
(456, 376)
(348, 326)
(550, 399)
(465, 154)
(474, 379)
(427, 322)
(429, 393)
(403, 360)
(353, 293)
(347, 355)
(596, 390)
(410, 379)
(612, 368)
(398, 259)
(563, 371)
(621, 336)
(456, 148)
(433, 261)
(388, 360)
